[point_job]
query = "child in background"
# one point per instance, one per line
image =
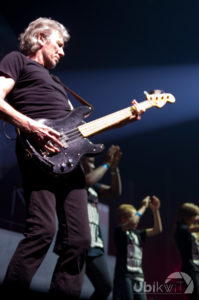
(129, 276)
(187, 240)
(96, 262)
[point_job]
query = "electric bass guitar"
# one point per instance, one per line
(74, 133)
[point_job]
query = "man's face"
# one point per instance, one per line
(53, 50)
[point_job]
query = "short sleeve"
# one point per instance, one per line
(142, 235)
(11, 65)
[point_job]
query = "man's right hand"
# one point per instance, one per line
(46, 138)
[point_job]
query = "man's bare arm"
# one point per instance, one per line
(39, 132)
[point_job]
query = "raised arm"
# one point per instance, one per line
(132, 221)
(157, 225)
(115, 187)
(95, 175)
(39, 132)
(145, 204)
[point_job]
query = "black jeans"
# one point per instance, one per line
(98, 273)
(45, 196)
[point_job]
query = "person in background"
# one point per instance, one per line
(187, 240)
(96, 262)
(129, 275)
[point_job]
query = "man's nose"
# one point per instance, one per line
(61, 52)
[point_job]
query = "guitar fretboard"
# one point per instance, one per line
(103, 123)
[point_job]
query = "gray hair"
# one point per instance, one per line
(28, 39)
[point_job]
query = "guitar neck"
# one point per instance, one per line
(104, 123)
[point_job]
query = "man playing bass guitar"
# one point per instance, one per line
(31, 93)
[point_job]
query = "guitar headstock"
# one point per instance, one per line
(159, 99)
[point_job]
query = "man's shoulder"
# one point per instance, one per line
(14, 55)
(141, 234)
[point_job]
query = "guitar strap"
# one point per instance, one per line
(75, 95)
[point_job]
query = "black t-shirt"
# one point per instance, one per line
(129, 253)
(35, 94)
(188, 246)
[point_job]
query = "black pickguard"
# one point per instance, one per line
(75, 145)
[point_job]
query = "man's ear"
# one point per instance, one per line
(41, 39)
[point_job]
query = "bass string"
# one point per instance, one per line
(102, 122)
(106, 121)
(113, 118)
(71, 135)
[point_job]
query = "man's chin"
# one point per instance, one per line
(51, 65)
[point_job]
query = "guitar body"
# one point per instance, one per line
(74, 132)
(75, 145)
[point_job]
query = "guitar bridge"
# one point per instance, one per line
(65, 144)
(63, 139)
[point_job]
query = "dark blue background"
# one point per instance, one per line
(117, 50)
